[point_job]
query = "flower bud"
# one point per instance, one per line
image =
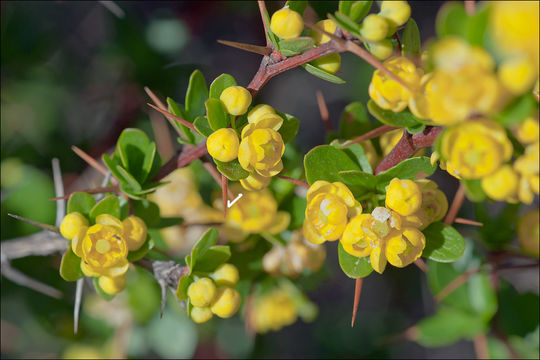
(134, 232)
(261, 150)
(258, 111)
(201, 314)
(528, 131)
(328, 26)
(382, 50)
(236, 100)
(255, 182)
(396, 12)
(329, 63)
(112, 285)
(226, 303)
(223, 144)
(403, 196)
(107, 219)
(202, 292)
(76, 242)
(71, 223)
(518, 74)
(404, 247)
(374, 28)
(286, 23)
(502, 184)
(225, 275)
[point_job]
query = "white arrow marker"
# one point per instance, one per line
(231, 203)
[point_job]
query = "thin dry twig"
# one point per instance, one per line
(261, 50)
(177, 118)
(421, 265)
(35, 223)
(371, 134)
(456, 205)
(467, 222)
(294, 181)
(357, 292)
(323, 109)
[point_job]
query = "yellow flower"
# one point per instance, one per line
(382, 50)
(529, 232)
(255, 182)
(112, 285)
(527, 165)
(202, 292)
(328, 26)
(104, 251)
(225, 275)
(403, 196)
(258, 111)
(236, 100)
(286, 23)
(389, 94)
(261, 150)
(71, 224)
(452, 53)
(253, 213)
(329, 63)
(502, 184)
(223, 144)
(226, 303)
(396, 12)
(268, 120)
(528, 131)
(76, 242)
(517, 74)
(405, 246)
(328, 207)
(374, 28)
(272, 311)
(134, 232)
(475, 149)
(201, 314)
(434, 205)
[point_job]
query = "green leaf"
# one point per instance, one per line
(212, 258)
(168, 221)
(451, 20)
(216, 114)
(132, 147)
(112, 164)
(322, 74)
(222, 82)
(473, 189)
(407, 169)
(357, 153)
(344, 7)
(138, 254)
(346, 23)
(148, 211)
(359, 10)
(324, 162)
(354, 267)
(360, 178)
(518, 313)
(108, 205)
(100, 291)
(232, 169)
(447, 326)
(208, 240)
(517, 110)
(202, 126)
(179, 111)
(196, 95)
(273, 38)
(70, 267)
(80, 202)
(477, 25)
(291, 47)
(148, 162)
(289, 128)
(401, 119)
(410, 40)
(443, 243)
(128, 178)
(354, 121)
(183, 285)
(500, 229)
(297, 5)
(416, 128)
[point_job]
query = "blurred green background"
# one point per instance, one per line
(73, 74)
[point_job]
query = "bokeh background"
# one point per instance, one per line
(73, 73)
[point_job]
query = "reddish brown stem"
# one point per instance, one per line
(480, 346)
(421, 265)
(294, 181)
(407, 146)
(217, 176)
(371, 134)
(456, 205)
(467, 222)
(191, 153)
(470, 7)
(262, 9)
(112, 188)
(323, 109)
(357, 292)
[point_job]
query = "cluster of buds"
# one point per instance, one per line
(272, 311)
(215, 295)
(255, 212)
(103, 247)
(377, 29)
(292, 259)
(389, 234)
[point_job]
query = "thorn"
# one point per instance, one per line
(77, 307)
(261, 50)
(323, 109)
(162, 106)
(112, 188)
(19, 278)
(177, 118)
(456, 205)
(357, 291)
(89, 160)
(163, 286)
(35, 223)
(468, 222)
(371, 134)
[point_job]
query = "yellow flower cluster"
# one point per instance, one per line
(215, 295)
(253, 213)
(273, 311)
(329, 207)
(292, 259)
(103, 247)
(515, 30)
(529, 232)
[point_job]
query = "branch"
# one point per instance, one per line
(262, 9)
(456, 205)
(370, 134)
